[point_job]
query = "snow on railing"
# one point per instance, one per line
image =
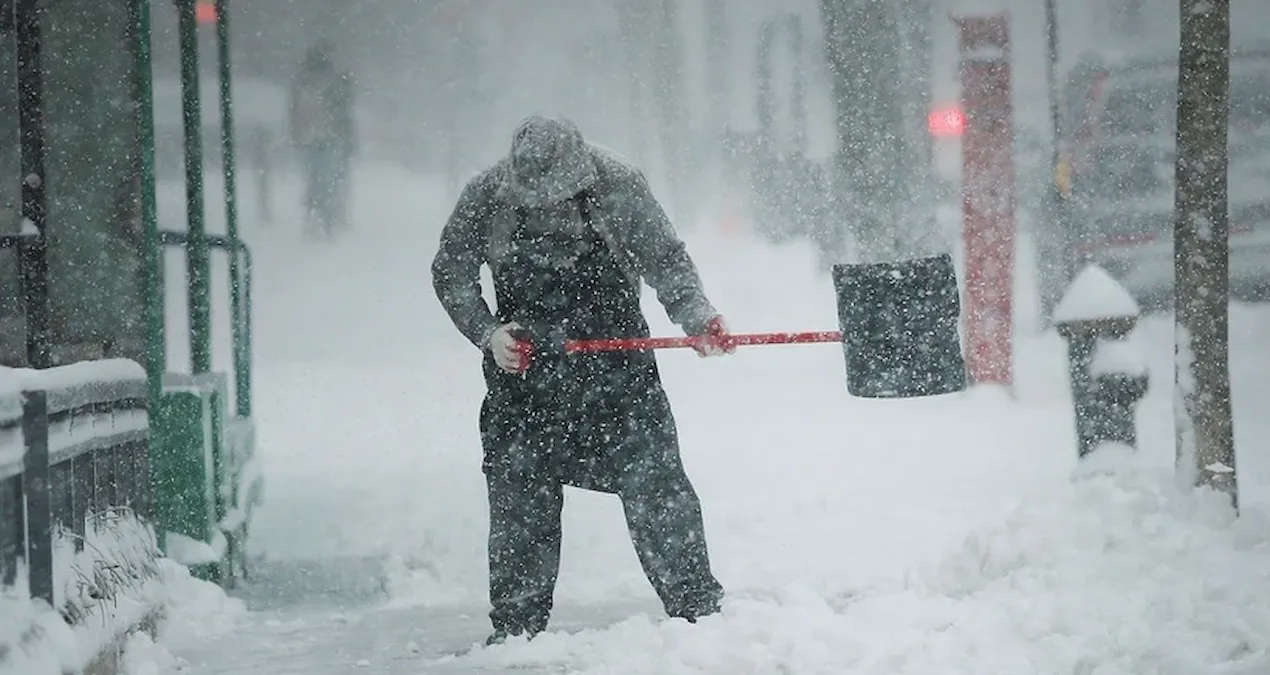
(75, 495)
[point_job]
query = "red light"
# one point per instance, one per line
(946, 122)
(205, 12)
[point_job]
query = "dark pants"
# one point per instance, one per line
(326, 187)
(596, 421)
(663, 516)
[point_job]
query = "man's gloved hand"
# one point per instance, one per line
(718, 340)
(511, 354)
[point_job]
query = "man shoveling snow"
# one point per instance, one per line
(569, 233)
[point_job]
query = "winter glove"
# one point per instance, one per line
(511, 353)
(717, 339)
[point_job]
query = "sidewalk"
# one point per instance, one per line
(404, 641)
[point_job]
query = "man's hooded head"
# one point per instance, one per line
(548, 163)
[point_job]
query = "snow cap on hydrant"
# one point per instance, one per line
(1094, 295)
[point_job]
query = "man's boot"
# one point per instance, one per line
(500, 636)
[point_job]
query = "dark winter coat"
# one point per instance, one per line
(627, 217)
(569, 232)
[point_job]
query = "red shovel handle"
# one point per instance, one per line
(739, 340)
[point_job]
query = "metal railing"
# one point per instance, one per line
(241, 319)
(74, 447)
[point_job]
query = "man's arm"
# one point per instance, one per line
(456, 269)
(663, 260)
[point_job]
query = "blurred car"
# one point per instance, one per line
(1118, 135)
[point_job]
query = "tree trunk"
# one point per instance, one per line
(1205, 434)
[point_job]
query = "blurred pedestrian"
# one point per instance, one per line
(323, 134)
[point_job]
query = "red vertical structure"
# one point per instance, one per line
(988, 196)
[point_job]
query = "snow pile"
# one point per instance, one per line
(141, 656)
(99, 592)
(110, 582)
(102, 592)
(34, 640)
(1116, 572)
(195, 609)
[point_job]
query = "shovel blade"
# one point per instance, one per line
(899, 323)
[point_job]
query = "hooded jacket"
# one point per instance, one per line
(550, 162)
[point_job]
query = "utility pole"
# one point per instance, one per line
(1204, 427)
(1053, 228)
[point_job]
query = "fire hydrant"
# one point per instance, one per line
(1096, 317)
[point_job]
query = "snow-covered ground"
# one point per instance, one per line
(950, 535)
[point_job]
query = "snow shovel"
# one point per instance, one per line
(897, 324)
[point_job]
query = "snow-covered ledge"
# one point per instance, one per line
(109, 587)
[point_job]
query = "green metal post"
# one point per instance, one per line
(152, 256)
(242, 364)
(196, 252)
